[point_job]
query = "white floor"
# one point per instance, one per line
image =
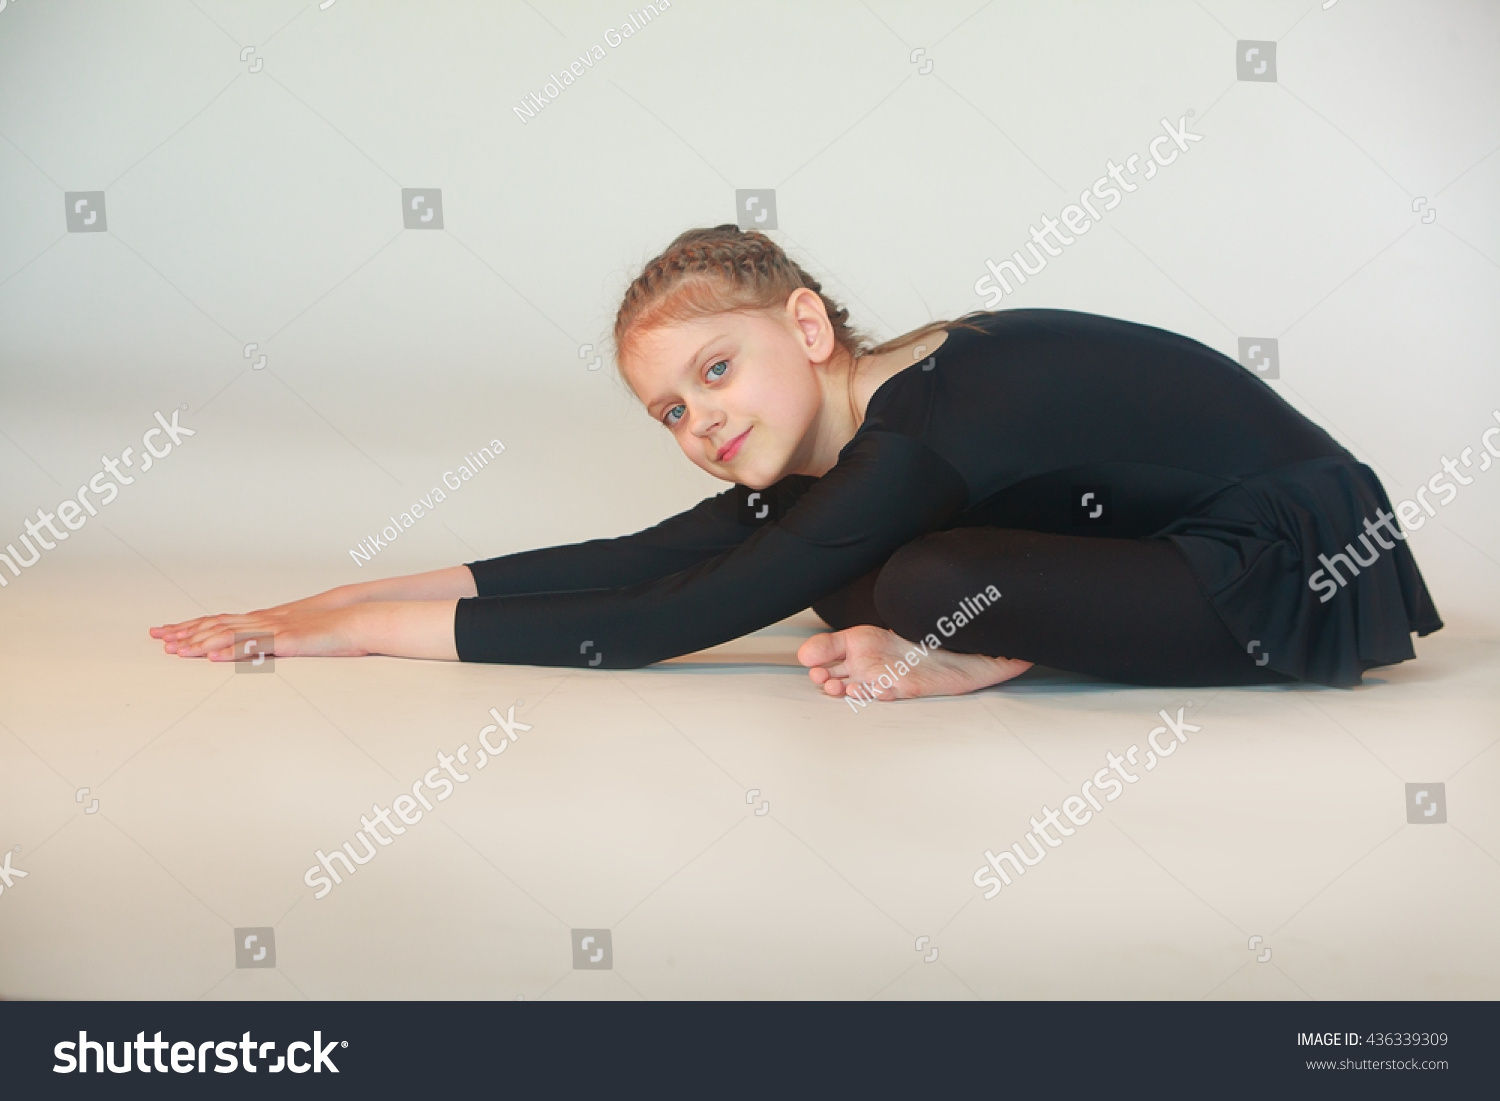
(738, 834)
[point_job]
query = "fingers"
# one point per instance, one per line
(222, 645)
(166, 630)
(179, 637)
(190, 626)
(211, 633)
(181, 630)
(198, 637)
(225, 653)
(225, 648)
(206, 643)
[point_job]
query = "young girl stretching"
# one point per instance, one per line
(1018, 486)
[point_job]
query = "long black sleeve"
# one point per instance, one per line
(886, 490)
(709, 528)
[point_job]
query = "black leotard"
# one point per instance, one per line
(1014, 427)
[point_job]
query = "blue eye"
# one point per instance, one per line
(668, 419)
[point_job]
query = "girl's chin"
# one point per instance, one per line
(754, 477)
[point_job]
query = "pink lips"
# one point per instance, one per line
(733, 446)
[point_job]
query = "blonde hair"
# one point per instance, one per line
(724, 269)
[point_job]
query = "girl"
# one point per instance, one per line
(1014, 487)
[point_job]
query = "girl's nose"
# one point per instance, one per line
(706, 421)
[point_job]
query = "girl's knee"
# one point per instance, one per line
(930, 577)
(927, 559)
(913, 582)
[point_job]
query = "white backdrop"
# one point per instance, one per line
(264, 207)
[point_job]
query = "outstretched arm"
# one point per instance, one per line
(413, 616)
(445, 584)
(400, 628)
(409, 616)
(706, 530)
(886, 490)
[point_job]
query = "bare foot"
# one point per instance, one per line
(847, 661)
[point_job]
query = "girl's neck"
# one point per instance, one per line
(848, 385)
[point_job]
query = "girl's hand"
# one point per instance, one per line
(399, 628)
(295, 630)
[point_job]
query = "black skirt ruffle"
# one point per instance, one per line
(1256, 546)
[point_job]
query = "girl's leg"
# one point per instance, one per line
(852, 605)
(1126, 610)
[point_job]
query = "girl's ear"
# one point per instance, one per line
(810, 318)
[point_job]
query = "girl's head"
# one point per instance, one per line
(723, 336)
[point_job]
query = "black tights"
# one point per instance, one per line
(1125, 610)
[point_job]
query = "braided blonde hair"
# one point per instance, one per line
(717, 270)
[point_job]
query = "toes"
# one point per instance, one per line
(822, 649)
(842, 658)
(832, 684)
